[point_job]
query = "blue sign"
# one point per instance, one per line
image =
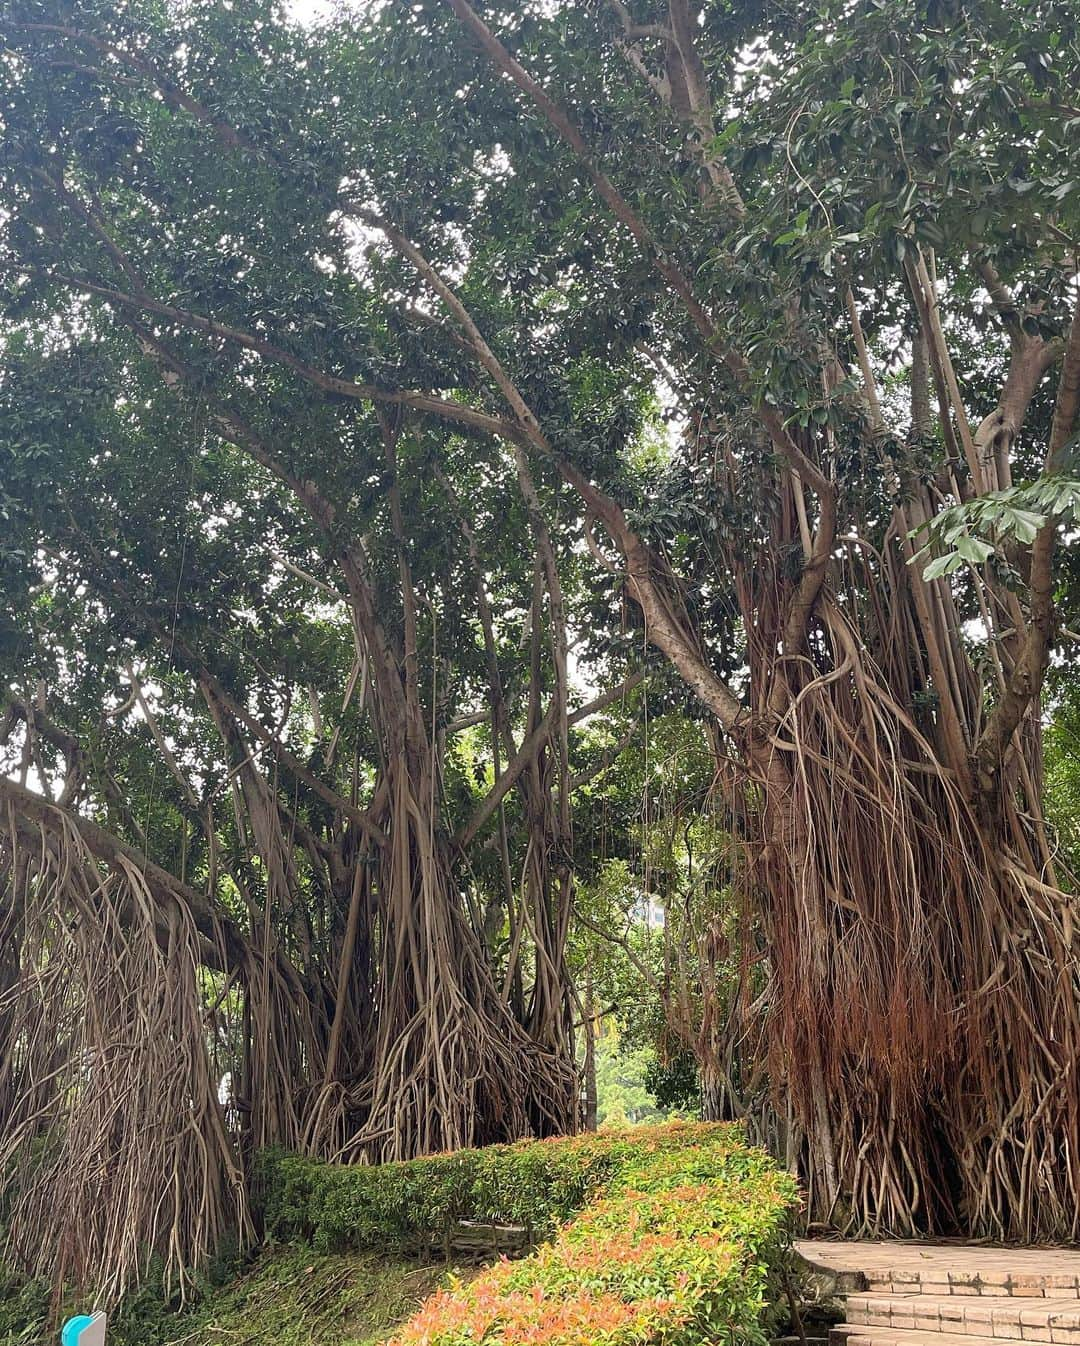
(84, 1330)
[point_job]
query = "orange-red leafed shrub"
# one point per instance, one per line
(675, 1249)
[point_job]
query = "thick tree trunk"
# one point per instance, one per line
(713, 1095)
(909, 941)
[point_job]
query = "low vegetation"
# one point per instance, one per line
(661, 1234)
(291, 1296)
(668, 1233)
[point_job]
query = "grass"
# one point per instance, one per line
(287, 1296)
(299, 1298)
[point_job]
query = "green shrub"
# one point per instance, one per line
(657, 1235)
(24, 1308)
(532, 1184)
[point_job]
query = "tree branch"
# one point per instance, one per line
(532, 745)
(170, 92)
(329, 383)
(214, 924)
(1025, 682)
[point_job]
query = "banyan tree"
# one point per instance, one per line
(344, 357)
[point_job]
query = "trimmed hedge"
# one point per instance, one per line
(658, 1235)
(408, 1206)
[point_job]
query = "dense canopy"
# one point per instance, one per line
(402, 409)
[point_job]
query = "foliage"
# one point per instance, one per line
(677, 1248)
(418, 1202)
(975, 531)
(674, 1084)
(534, 1184)
(665, 935)
(1062, 739)
(659, 927)
(626, 1080)
(680, 1213)
(24, 1310)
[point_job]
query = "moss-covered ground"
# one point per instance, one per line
(286, 1297)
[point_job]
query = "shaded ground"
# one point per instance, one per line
(291, 1297)
(296, 1298)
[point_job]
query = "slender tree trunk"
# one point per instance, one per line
(590, 1053)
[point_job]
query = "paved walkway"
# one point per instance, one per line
(950, 1294)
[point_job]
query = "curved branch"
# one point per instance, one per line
(213, 924)
(532, 745)
(293, 765)
(606, 189)
(664, 628)
(639, 230)
(329, 383)
(1025, 681)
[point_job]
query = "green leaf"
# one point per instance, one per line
(974, 549)
(1023, 523)
(943, 565)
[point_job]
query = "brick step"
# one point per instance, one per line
(848, 1335)
(997, 1317)
(885, 1267)
(974, 1281)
